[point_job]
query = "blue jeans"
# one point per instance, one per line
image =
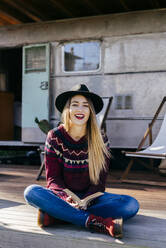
(107, 205)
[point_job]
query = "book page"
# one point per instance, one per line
(83, 202)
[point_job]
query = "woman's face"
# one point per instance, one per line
(79, 110)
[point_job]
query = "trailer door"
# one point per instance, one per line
(35, 90)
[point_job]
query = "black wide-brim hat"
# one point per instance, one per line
(80, 89)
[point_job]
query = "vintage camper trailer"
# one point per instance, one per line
(119, 55)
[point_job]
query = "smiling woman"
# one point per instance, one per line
(78, 114)
(77, 158)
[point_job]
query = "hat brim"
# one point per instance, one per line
(62, 99)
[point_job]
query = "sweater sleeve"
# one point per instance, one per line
(54, 166)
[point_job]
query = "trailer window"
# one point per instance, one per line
(82, 56)
(35, 59)
(123, 102)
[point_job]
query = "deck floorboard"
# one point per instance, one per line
(18, 226)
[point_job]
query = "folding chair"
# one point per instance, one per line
(156, 150)
(101, 118)
(44, 127)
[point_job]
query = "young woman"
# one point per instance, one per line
(77, 158)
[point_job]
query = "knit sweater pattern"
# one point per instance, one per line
(66, 163)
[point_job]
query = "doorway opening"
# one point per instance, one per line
(10, 93)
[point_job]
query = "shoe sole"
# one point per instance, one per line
(40, 219)
(118, 232)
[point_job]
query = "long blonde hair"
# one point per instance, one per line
(97, 151)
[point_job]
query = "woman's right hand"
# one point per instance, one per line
(72, 202)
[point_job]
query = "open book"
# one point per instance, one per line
(83, 203)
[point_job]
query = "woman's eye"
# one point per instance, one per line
(77, 105)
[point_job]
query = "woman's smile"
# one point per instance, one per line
(80, 116)
(79, 110)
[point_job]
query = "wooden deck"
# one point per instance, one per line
(18, 227)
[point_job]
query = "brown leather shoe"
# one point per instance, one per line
(109, 226)
(43, 219)
(118, 226)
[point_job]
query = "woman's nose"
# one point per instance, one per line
(80, 108)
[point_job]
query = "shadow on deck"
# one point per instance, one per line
(18, 221)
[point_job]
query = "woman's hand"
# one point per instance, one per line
(72, 202)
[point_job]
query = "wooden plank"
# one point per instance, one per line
(62, 8)
(145, 230)
(153, 183)
(23, 10)
(9, 18)
(18, 222)
(21, 239)
(94, 9)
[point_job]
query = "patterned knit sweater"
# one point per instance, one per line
(66, 162)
